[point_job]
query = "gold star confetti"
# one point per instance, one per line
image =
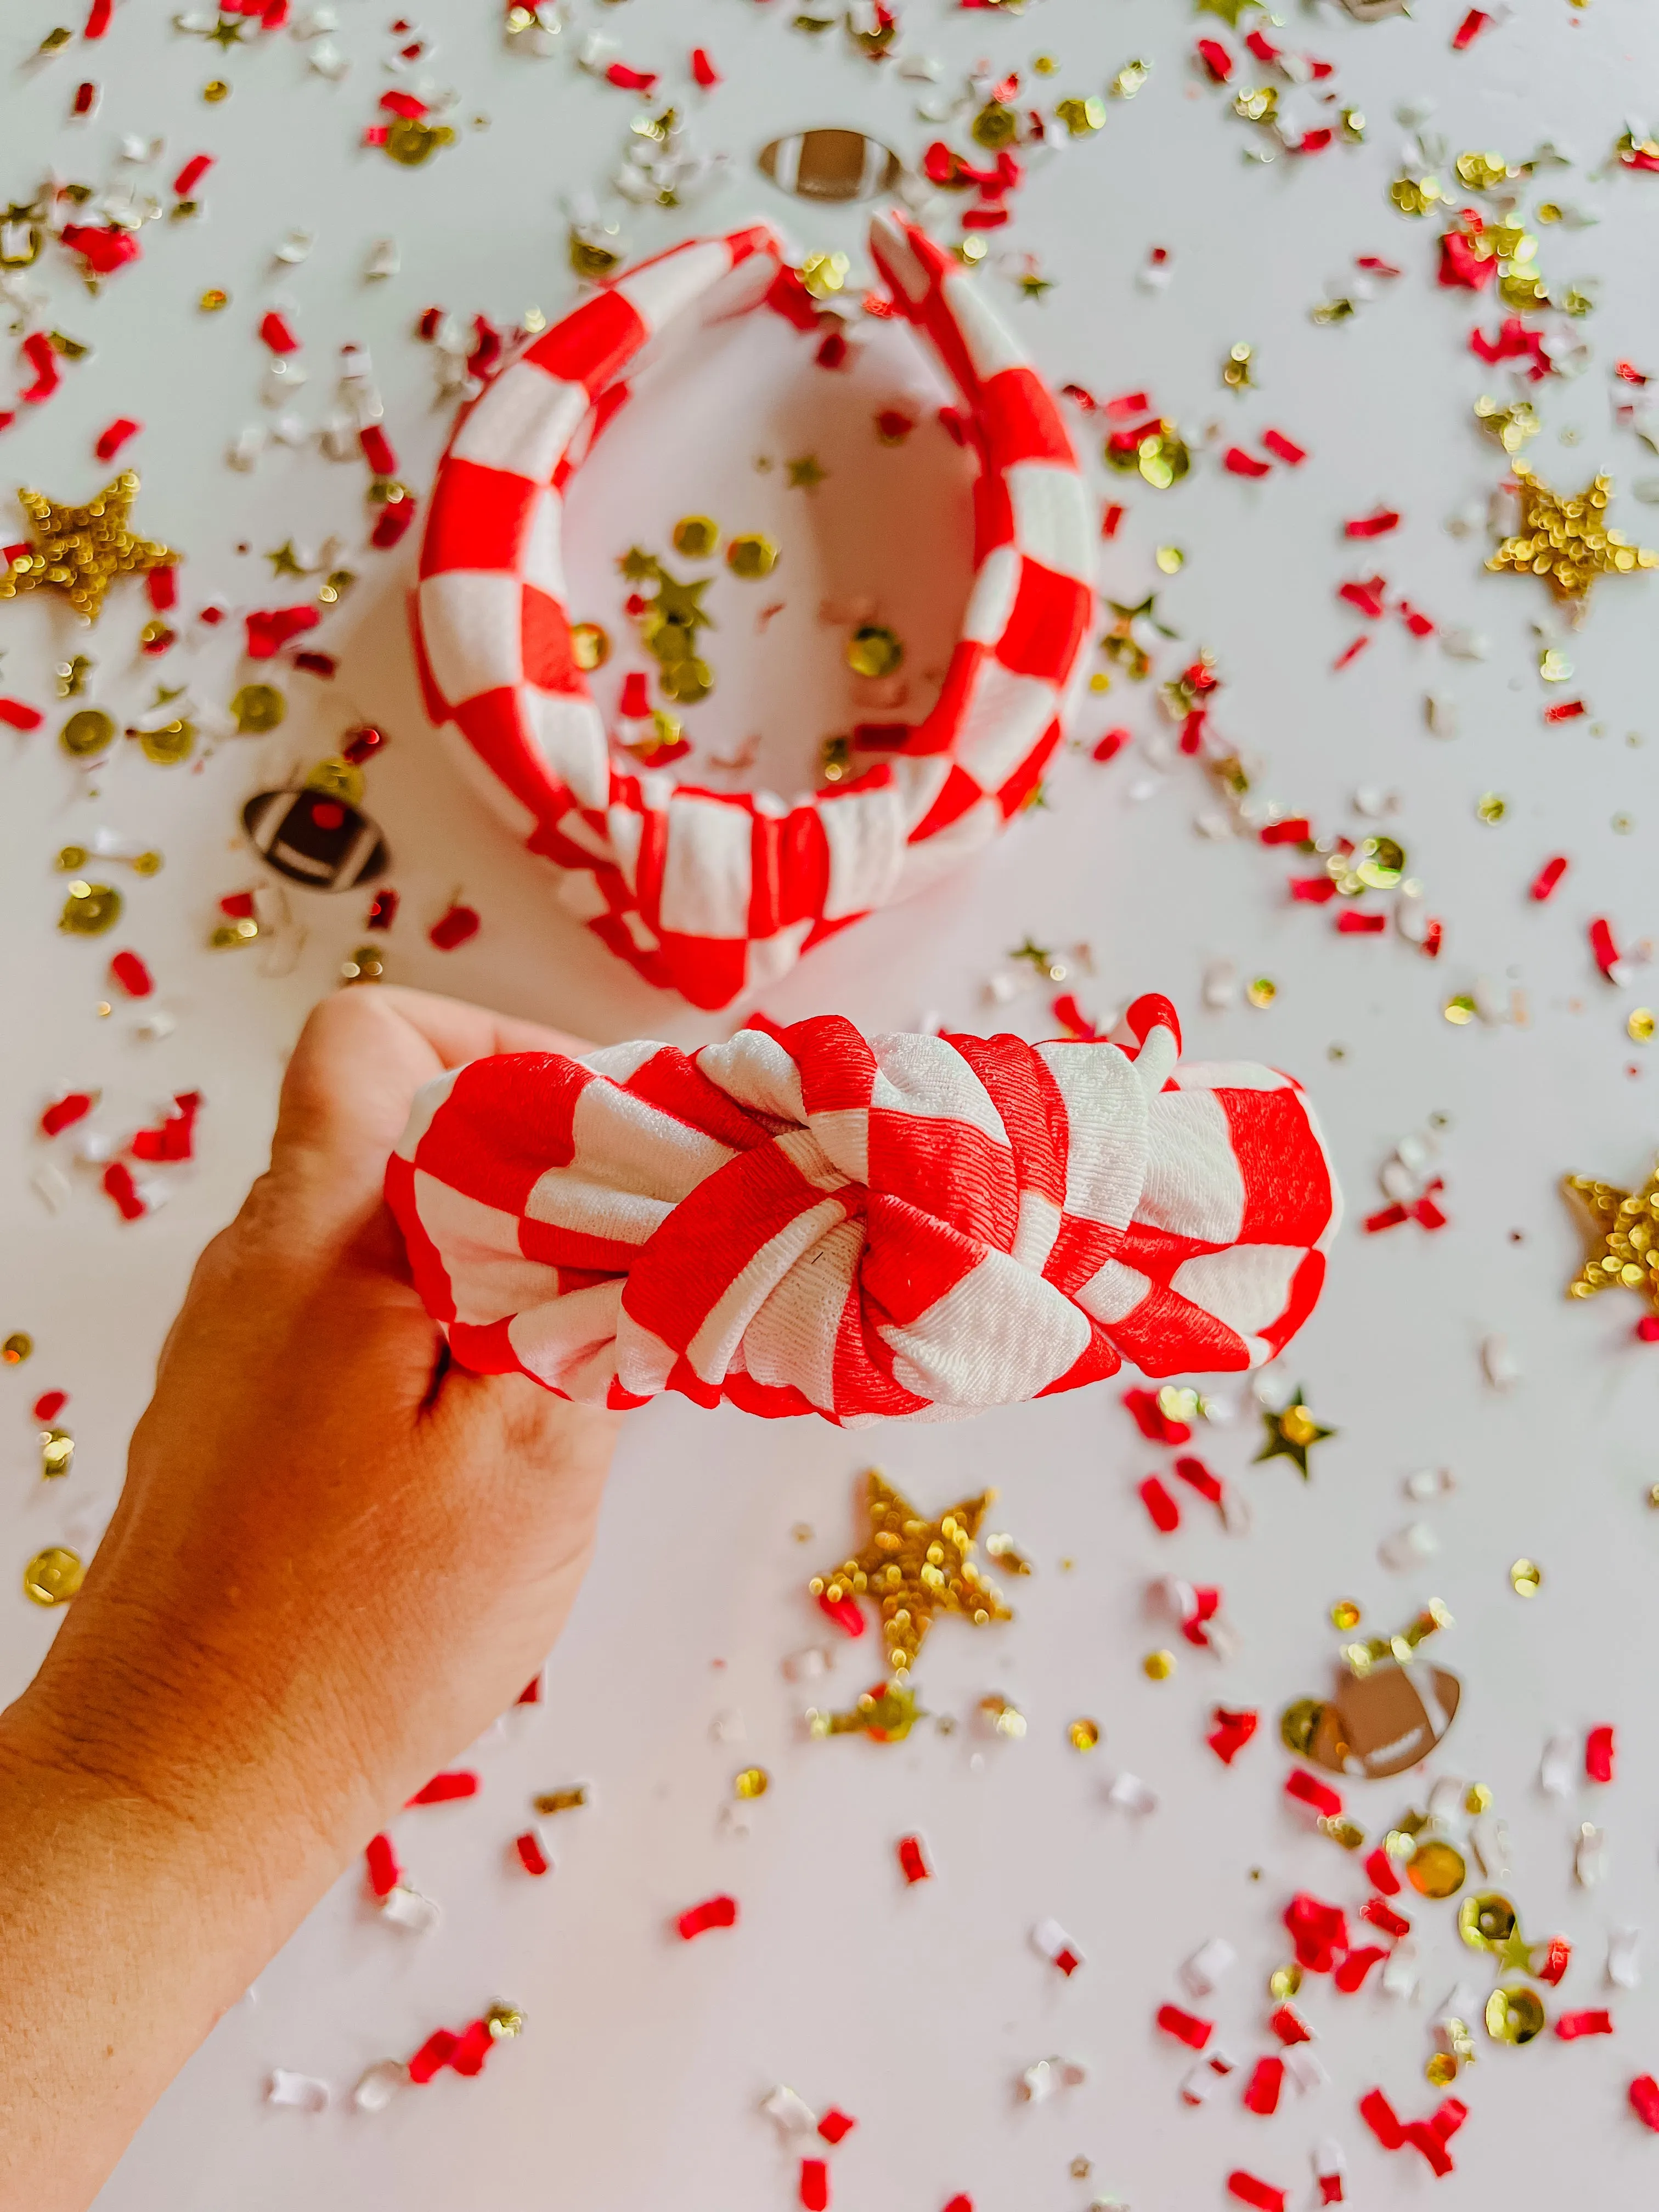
(886, 1715)
(1623, 1224)
(915, 1568)
(1566, 540)
(79, 550)
(807, 473)
(285, 562)
(1034, 286)
(1228, 10)
(1292, 1434)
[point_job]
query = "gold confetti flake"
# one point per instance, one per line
(874, 650)
(697, 536)
(1483, 173)
(1007, 1554)
(590, 645)
(78, 551)
(215, 90)
(57, 1453)
(753, 1782)
(806, 473)
(1477, 1799)
(1554, 666)
(90, 909)
(1082, 117)
(1346, 1614)
(1566, 541)
(53, 1577)
(1002, 1717)
(915, 1569)
(824, 274)
(1436, 1869)
(1415, 195)
(1292, 1435)
(17, 1348)
(1441, 2069)
(995, 126)
(212, 300)
(1159, 1666)
(1514, 427)
(1083, 1734)
(504, 2021)
(1625, 1225)
(1171, 559)
(1284, 1983)
(1129, 79)
(256, 708)
(1640, 1025)
(1235, 369)
(410, 140)
(752, 556)
(87, 732)
(1513, 2014)
(365, 965)
(1526, 1577)
(1261, 991)
(1459, 1010)
(1492, 807)
(836, 759)
(561, 1801)
(886, 1715)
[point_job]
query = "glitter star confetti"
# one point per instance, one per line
(80, 551)
(1292, 1434)
(915, 1569)
(1623, 1224)
(1566, 541)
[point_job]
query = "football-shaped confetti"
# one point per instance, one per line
(1378, 1723)
(831, 164)
(312, 837)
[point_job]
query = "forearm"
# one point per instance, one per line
(125, 1931)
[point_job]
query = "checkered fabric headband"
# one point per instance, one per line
(715, 894)
(895, 1228)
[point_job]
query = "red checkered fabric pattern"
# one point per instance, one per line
(807, 1220)
(712, 893)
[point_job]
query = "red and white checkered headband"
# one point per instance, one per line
(715, 894)
(896, 1228)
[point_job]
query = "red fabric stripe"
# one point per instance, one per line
(591, 346)
(1032, 1111)
(490, 725)
(948, 1171)
(1287, 1184)
(1046, 624)
(1022, 422)
(550, 663)
(476, 520)
(505, 1121)
(426, 1267)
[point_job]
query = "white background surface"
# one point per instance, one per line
(636, 2082)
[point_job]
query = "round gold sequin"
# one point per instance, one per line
(1171, 559)
(57, 1453)
(836, 759)
(874, 650)
(213, 298)
(1525, 1575)
(687, 680)
(1082, 117)
(340, 778)
(172, 742)
(215, 90)
(410, 140)
(1159, 1666)
(1261, 991)
(1083, 1734)
(1477, 1799)
(87, 731)
(996, 125)
(53, 1577)
(1436, 1869)
(1285, 1982)
(823, 274)
(1515, 2014)
(590, 645)
(1459, 1011)
(1346, 1614)
(1640, 1026)
(90, 909)
(257, 707)
(697, 536)
(1441, 2070)
(1564, 541)
(1492, 807)
(752, 556)
(753, 1782)
(17, 1348)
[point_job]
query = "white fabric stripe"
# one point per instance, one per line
(565, 1198)
(644, 1361)
(1051, 518)
(755, 1069)
(541, 560)
(1229, 1075)
(992, 599)
(569, 734)
(1003, 718)
(997, 1338)
(708, 870)
(990, 343)
(865, 835)
(793, 1337)
(897, 260)
(427, 1099)
(662, 288)
(570, 1343)
(1106, 1118)
(473, 630)
(522, 423)
(633, 1145)
(926, 1079)
(1036, 1230)
(489, 1276)
(1247, 1286)
(622, 1062)
(924, 862)
(1195, 1186)
(711, 1351)
(1113, 1292)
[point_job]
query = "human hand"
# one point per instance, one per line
(336, 1559)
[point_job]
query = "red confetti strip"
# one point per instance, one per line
(1238, 463)
(269, 628)
(631, 80)
(913, 1863)
(1376, 524)
(1380, 2118)
(845, 1611)
(531, 1692)
(119, 1186)
(1261, 2194)
(1572, 2025)
(173, 1138)
(98, 19)
(532, 1858)
(1598, 1755)
(1643, 2093)
(1194, 1472)
(1073, 1019)
(85, 101)
(1570, 710)
(1320, 1932)
(1261, 2090)
(1234, 1727)
(445, 1789)
(814, 2184)
(130, 973)
(1111, 521)
(963, 2204)
(1284, 449)
(835, 2125)
(1605, 950)
(1294, 829)
(1388, 1217)
(394, 521)
(1110, 746)
(1185, 2027)
(702, 70)
(378, 450)
(191, 175)
(1515, 342)
(1465, 262)
(110, 442)
(1350, 653)
(1205, 1606)
(1164, 1512)
(1153, 1421)
(384, 1871)
(1544, 883)
(41, 356)
(278, 333)
(1368, 596)
(1470, 28)
(1312, 890)
(1217, 62)
(1380, 1872)
(1308, 1790)
(1418, 623)
(1385, 1917)
(1558, 1957)
(64, 1112)
(50, 1404)
(1351, 1971)
(1350, 924)
(18, 716)
(1288, 2025)
(433, 2054)
(713, 1912)
(404, 104)
(103, 251)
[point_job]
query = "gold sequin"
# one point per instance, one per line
(752, 556)
(53, 1577)
(87, 732)
(590, 645)
(1159, 1666)
(17, 1348)
(1436, 1869)
(1513, 2014)
(753, 1782)
(257, 707)
(874, 650)
(1566, 541)
(915, 1569)
(1625, 1224)
(1083, 1734)
(1526, 1577)
(90, 909)
(56, 1452)
(78, 551)
(697, 536)
(1346, 1614)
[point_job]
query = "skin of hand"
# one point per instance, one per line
(336, 1559)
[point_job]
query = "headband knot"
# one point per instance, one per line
(895, 1228)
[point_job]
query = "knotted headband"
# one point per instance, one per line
(716, 893)
(896, 1228)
